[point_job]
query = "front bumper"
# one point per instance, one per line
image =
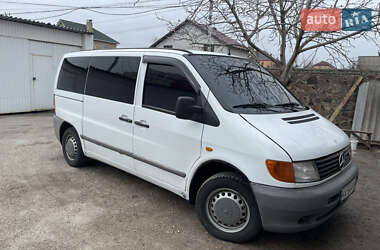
(299, 209)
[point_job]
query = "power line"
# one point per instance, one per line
(37, 4)
(69, 8)
(119, 14)
(136, 29)
(47, 17)
(135, 13)
(112, 5)
(141, 15)
(91, 8)
(42, 11)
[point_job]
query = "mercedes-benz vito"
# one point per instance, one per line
(217, 130)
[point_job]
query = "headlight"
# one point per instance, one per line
(305, 171)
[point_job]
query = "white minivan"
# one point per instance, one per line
(217, 130)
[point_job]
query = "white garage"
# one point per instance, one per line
(29, 55)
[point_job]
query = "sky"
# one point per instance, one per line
(130, 30)
(124, 25)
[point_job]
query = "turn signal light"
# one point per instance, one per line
(281, 170)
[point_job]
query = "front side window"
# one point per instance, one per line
(243, 86)
(72, 76)
(113, 78)
(163, 85)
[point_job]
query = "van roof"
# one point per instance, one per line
(174, 51)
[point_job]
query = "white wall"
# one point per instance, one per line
(14, 68)
(18, 43)
(188, 36)
(38, 33)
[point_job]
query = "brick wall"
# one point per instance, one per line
(323, 90)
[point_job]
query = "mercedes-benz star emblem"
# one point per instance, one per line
(341, 160)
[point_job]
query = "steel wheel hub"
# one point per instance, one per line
(71, 147)
(228, 210)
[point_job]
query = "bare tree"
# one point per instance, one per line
(278, 23)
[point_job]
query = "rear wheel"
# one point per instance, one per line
(227, 208)
(72, 148)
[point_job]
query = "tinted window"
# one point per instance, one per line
(243, 86)
(163, 85)
(73, 74)
(113, 78)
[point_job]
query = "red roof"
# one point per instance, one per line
(323, 64)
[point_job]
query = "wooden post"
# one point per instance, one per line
(346, 98)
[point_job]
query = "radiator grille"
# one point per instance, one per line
(333, 163)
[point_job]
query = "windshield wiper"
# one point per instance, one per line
(252, 105)
(290, 104)
(256, 106)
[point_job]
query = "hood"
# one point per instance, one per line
(303, 135)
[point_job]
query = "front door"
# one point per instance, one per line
(108, 109)
(165, 147)
(42, 82)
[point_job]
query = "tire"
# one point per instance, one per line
(227, 208)
(72, 149)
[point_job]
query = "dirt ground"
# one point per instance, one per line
(45, 204)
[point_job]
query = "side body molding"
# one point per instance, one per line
(120, 151)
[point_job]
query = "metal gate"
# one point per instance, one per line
(367, 110)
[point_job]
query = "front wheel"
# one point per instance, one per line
(227, 208)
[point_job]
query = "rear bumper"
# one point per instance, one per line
(293, 210)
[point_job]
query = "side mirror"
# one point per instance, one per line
(186, 108)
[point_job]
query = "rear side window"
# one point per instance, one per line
(72, 76)
(163, 85)
(113, 78)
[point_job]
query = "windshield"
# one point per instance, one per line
(243, 86)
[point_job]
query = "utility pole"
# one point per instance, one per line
(210, 25)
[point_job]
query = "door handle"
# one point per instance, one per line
(125, 118)
(142, 123)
